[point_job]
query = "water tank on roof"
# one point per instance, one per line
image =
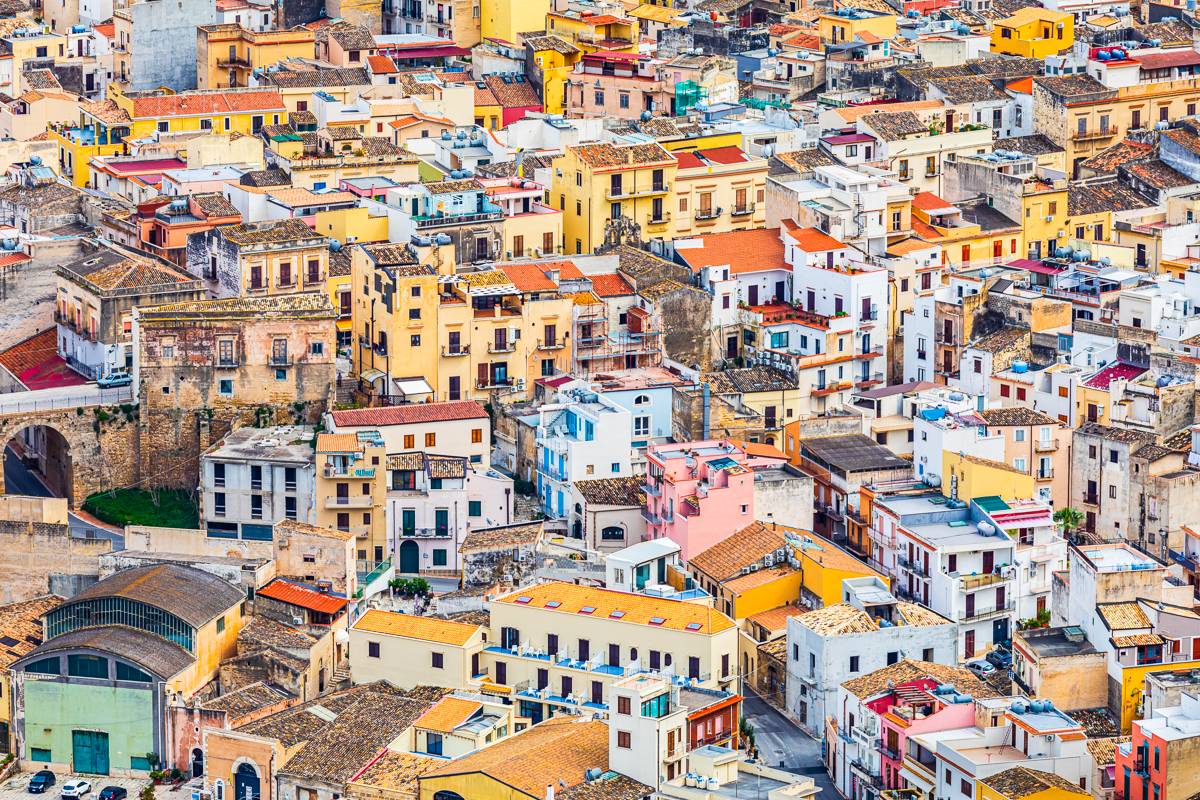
(1081, 255)
(1163, 381)
(1119, 52)
(446, 136)
(963, 698)
(1020, 367)
(1064, 252)
(443, 239)
(179, 205)
(1048, 704)
(772, 52)
(768, 150)
(462, 136)
(1103, 55)
(1162, 125)
(1019, 706)
(9, 244)
(78, 29)
(1105, 261)
(964, 28)
(912, 12)
(35, 161)
(1156, 42)
(646, 115)
(334, 245)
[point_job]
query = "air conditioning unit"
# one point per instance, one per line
(297, 620)
(538, 251)
(1061, 234)
(520, 383)
(781, 554)
(745, 570)
(1049, 219)
(769, 560)
(754, 567)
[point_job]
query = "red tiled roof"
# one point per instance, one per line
(567, 270)
(406, 415)
(381, 64)
(1024, 86)
(107, 29)
(743, 251)
(186, 105)
(813, 240)
(1176, 58)
(610, 284)
(928, 201)
(14, 258)
(528, 278)
(1110, 373)
(36, 363)
(296, 594)
(719, 155)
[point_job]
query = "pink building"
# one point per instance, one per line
(908, 710)
(697, 493)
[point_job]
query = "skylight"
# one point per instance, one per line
(694, 626)
(657, 620)
(553, 604)
(617, 614)
(587, 609)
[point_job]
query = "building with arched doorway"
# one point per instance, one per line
(94, 697)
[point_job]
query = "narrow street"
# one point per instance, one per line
(19, 480)
(781, 742)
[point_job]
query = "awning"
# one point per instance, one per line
(407, 386)
(1112, 772)
(915, 779)
(427, 52)
(371, 375)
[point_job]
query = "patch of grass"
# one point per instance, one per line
(136, 507)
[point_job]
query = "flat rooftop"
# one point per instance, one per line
(188, 558)
(1118, 558)
(747, 786)
(993, 755)
(283, 443)
(1055, 642)
(1176, 677)
(645, 378)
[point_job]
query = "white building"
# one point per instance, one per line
(581, 436)
(254, 478)
(642, 567)
(871, 630)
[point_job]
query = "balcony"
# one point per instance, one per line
(708, 213)
(494, 383)
(1095, 133)
(888, 752)
(651, 517)
(1045, 446)
(621, 193)
(868, 352)
(1090, 499)
(226, 363)
(868, 315)
(234, 62)
(969, 583)
(905, 175)
(335, 471)
(869, 379)
(379, 349)
(983, 612)
(742, 210)
(502, 347)
(279, 361)
(552, 344)
(914, 567)
(358, 501)
(1044, 475)
(664, 218)
(830, 388)
(651, 490)
(455, 350)
(457, 219)
(359, 531)
(425, 533)
(921, 354)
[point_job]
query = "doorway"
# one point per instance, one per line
(197, 762)
(246, 783)
(410, 557)
(89, 753)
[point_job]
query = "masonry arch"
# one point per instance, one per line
(47, 452)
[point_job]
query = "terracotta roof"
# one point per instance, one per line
(755, 250)
(115, 270)
(1014, 415)
(1169, 33)
(528, 278)
(1104, 751)
(398, 772)
(246, 700)
(409, 626)
(753, 580)
(1114, 434)
(1126, 150)
(318, 78)
(891, 126)
(352, 37)
(508, 535)
(154, 653)
(750, 380)
(699, 159)
(540, 757)
(296, 594)
(266, 631)
(106, 111)
(637, 609)
(381, 64)
(838, 619)
(273, 232)
(187, 104)
(610, 284)
(513, 93)
(215, 205)
(296, 725)
(908, 670)
(551, 43)
(1138, 640)
(338, 443)
(1068, 86)
(775, 619)
(1123, 616)
(725, 559)
(1159, 175)
(409, 414)
(447, 714)
(31, 352)
(814, 240)
(21, 626)
(606, 155)
(613, 491)
(1018, 782)
(928, 201)
(1000, 340)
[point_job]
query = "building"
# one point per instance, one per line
(609, 515)
(1161, 746)
(455, 428)
(1060, 665)
(697, 494)
(256, 477)
(149, 635)
(604, 183)
(260, 258)
(95, 300)
(579, 436)
(228, 53)
(21, 622)
(166, 225)
(409, 650)
(350, 491)
(868, 631)
(641, 566)
(1034, 33)
(1018, 783)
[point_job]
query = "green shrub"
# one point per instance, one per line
(136, 507)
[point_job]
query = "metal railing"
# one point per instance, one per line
(970, 583)
(492, 383)
(711, 213)
(554, 344)
(869, 352)
(1044, 474)
(661, 219)
(979, 612)
(425, 533)
(1090, 499)
(874, 377)
(358, 501)
(1095, 133)
(334, 471)
(17, 402)
(504, 347)
(655, 188)
(742, 210)
(451, 351)
(1045, 446)
(458, 219)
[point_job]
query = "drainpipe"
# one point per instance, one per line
(706, 411)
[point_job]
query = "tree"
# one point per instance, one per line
(1068, 519)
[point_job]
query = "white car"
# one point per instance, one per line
(72, 790)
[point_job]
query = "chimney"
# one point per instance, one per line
(549, 791)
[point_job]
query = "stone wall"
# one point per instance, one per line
(489, 566)
(686, 316)
(711, 39)
(724, 420)
(38, 558)
(31, 287)
(165, 32)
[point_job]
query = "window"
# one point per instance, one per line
(623, 740)
(624, 100)
(1019, 435)
(79, 666)
(439, 557)
(433, 743)
(409, 441)
(965, 787)
(599, 98)
(430, 439)
(1112, 456)
(1112, 492)
(219, 504)
(641, 426)
(1005, 390)
(623, 705)
(128, 673)
(225, 387)
(372, 649)
(854, 663)
(39, 754)
(437, 660)
(47, 666)
(317, 348)
(289, 507)
(256, 506)
(476, 435)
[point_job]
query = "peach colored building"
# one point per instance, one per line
(628, 85)
(164, 224)
(1037, 445)
(697, 493)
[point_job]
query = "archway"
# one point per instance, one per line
(197, 762)
(246, 783)
(410, 557)
(37, 462)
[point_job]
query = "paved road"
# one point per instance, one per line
(779, 740)
(63, 397)
(442, 585)
(19, 480)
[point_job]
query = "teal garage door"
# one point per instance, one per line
(89, 753)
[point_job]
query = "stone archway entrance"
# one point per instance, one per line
(37, 458)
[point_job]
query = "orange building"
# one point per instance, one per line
(164, 224)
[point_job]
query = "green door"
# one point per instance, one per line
(89, 753)
(410, 557)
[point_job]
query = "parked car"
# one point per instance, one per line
(73, 790)
(1000, 659)
(981, 668)
(114, 379)
(41, 781)
(113, 793)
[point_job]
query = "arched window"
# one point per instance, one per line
(577, 529)
(633, 654)
(443, 795)
(642, 400)
(612, 533)
(578, 508)
(219, 789)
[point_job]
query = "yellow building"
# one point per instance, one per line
(227, 54)
(215, 111)
(845, 24)
(825, 566)
(507, 19)
(487, 108)
(981, 477)
(593, 32)
(1022, 783)
(597, 183)
(350, 489)
(964, 244)
(1034, 33)
(556, 58)
(101, 131)
(716, 191)
(349, 225)
(1044, 214)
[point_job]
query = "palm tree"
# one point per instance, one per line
(1068, 519)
